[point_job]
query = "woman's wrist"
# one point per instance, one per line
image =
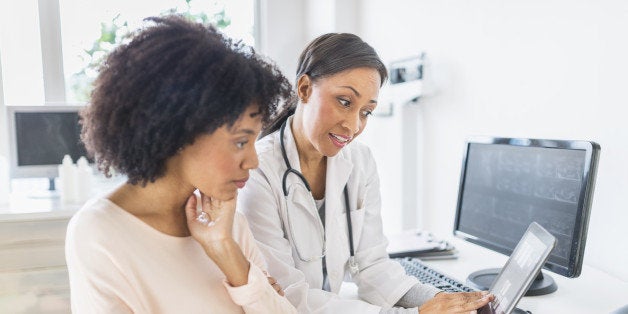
(228, 256)
(221, 247)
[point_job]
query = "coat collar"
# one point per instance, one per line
(339, 167)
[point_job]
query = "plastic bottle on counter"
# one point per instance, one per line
(84, 180)
(68, 173)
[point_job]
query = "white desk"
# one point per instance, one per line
(33, 272)
(593, 292)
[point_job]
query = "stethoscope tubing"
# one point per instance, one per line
(307, 185)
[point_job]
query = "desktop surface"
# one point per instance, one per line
(30, 198)
(593, 292)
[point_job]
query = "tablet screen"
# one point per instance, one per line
(521, 268)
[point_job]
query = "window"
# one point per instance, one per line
(89, 29)
(20, 52)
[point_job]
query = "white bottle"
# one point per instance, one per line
(5, 181)
(83, 180)
(67, 177)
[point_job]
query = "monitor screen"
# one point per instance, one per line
(40, 136)
(506, 184)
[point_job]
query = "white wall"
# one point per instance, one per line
(282, 32)
(287, 26)
(543, 69)
(539, 68)
(4, 138)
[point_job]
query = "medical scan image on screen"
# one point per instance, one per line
(506, 186)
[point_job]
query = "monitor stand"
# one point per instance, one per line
(483, 279)
(51, 184)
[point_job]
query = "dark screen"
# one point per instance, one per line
(43, 138)
(506, 187)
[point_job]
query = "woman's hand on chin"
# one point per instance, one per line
(211, 224)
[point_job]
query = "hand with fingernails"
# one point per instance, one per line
(460, 302)
(212, 228)
(213, 222)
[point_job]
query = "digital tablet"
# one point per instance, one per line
(522, 267)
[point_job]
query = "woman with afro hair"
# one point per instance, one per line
(177, 110)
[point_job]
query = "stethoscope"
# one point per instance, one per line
(353, 266)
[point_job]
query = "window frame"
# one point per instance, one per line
(52, 51)
(54, 81)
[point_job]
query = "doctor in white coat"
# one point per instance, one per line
(311, 174)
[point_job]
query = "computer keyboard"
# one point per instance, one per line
(428, 275)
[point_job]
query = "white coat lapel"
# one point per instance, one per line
(339, 169)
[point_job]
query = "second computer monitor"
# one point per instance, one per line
(508, 183)
(40, 136)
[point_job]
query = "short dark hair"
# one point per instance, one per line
(327, 55)
(174, 81)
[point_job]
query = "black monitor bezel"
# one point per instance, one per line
(32, 171)
(592, 149)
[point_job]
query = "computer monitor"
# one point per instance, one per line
(507, 183)
(39, 137)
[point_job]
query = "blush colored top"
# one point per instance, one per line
(119, 264)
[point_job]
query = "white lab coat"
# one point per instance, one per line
(381, 281)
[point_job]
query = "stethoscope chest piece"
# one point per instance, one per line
(353, 266)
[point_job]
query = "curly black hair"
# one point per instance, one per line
(174, 81)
